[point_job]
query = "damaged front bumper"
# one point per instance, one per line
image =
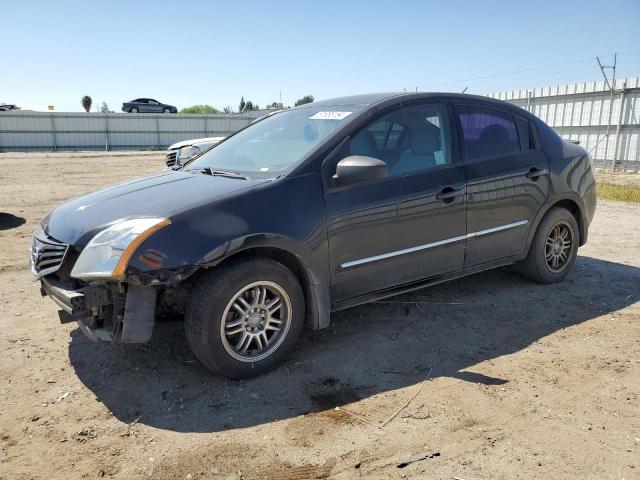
(105, 312)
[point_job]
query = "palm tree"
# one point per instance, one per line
(86, 102)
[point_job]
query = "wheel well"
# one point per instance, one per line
(575, 211)
(292, 263)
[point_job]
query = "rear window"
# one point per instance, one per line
(488, 132)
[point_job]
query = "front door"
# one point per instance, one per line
(507, 181)
(154, 106)
(408, 226)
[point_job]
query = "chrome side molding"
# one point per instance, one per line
(439, 243)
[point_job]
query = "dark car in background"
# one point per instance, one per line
(317, 209)
(8, 107)
(147, 105)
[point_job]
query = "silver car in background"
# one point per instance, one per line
(180, 152)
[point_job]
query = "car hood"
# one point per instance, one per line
(160, 195)
(196, 141)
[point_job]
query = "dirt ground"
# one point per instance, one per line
(502, 378)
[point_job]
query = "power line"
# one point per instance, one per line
(515, 72)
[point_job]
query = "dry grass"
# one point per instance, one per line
(622, 193)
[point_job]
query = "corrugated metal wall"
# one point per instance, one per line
(608, 126)
(24, 131)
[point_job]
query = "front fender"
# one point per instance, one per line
(264, 240)
(288, 215)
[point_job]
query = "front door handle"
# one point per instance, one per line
(535, 172)
(448, 194)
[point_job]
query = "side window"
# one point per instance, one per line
(386, 134)
(410, 139)
(524, 129)
(488, 132)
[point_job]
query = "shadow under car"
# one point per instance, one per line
(368, 349)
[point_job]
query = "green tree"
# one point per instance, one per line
(249, 105)
(200, 109)
(305, 99)
(86, 102)
(104, 108)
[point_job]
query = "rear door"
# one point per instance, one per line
(408, 226)
(142, 105)
(507, 181)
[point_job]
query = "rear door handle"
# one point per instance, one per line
(448, 194)
(534, 172)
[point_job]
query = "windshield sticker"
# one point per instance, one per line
(330, 115)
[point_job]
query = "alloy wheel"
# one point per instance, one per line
(559, 247)
(255, 322)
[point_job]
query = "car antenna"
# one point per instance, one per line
(465, 89)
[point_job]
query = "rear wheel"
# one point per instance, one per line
(134, 110)
(245, 317)
(554, 248)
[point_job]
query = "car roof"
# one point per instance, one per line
(373, 98)
(364, 99)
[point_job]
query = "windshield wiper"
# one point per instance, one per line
(223, 173)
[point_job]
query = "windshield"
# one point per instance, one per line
(277, 142)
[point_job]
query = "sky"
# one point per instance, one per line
(213, 52)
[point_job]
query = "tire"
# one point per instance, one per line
(214, 326)
(166, 110)
(134, 110)
(544, 262)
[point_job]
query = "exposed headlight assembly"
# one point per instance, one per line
(188, 152)
(107, 255)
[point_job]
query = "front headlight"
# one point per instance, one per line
(107, 255)
(188, 152)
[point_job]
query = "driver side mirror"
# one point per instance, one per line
(357, 168)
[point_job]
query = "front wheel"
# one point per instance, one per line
(554, 248)
(245, 317)
(166, 110)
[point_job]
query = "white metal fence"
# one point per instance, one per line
(24, 131)
(606, 122)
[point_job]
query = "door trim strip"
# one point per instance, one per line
(382, 256)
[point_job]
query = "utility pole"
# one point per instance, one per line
(620, 119)
(612, 87)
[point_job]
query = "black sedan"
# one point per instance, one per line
(316, 209)
(147, 105)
